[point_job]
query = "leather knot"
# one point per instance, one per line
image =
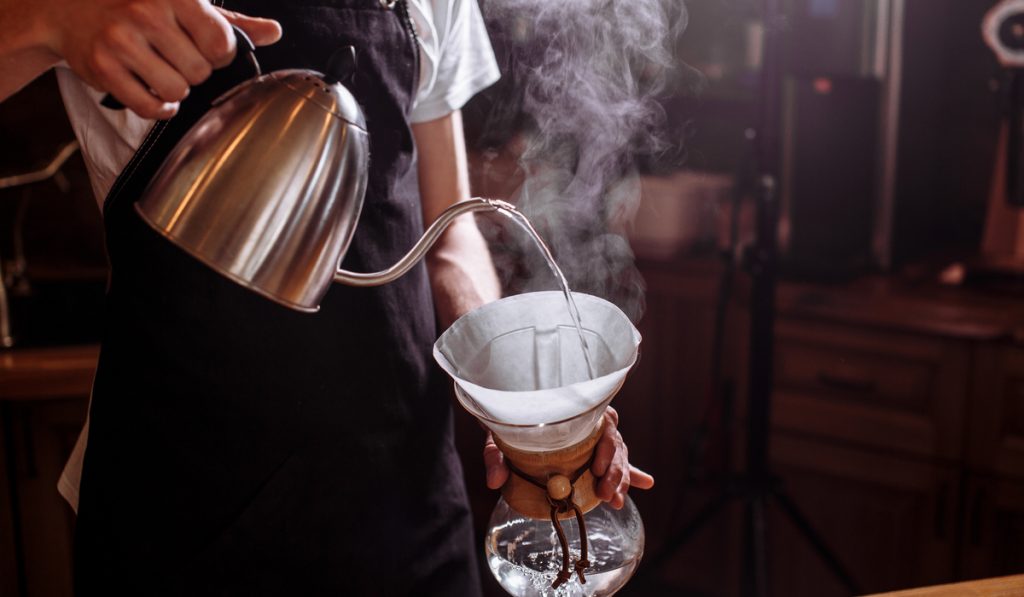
(561, 505)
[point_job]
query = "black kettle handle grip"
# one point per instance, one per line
(244, 49)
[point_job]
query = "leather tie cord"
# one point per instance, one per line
(560, 507)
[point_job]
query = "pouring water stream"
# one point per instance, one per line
(519, 218)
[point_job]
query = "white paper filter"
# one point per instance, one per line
(520, 361)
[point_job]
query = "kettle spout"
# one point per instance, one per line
(424, 244)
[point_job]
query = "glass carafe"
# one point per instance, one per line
(524, 553)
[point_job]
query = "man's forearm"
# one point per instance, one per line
(24, 53)
(462, 275)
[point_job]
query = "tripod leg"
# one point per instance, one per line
(804, 526)
(755, 560)
(702, 517)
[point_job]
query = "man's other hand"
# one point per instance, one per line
(611, 465)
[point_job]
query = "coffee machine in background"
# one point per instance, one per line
(888, 133)
(835, 87)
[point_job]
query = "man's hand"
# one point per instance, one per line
(146, 53)
(611, 465)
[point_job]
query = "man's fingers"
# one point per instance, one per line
(114, 77)
(612, 415)
(178, 49)
(210, 32)
(611, 481)
(640, 479)
(140, 58)
(494, 462)
(605, 450)
(206, 42)
(155, 24)
(619, 499)
(611, 465)
(210, 29)
(262, 32)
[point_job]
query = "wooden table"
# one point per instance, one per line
(1008, 586)
(895, 426)
(37, 373)
(43, 398)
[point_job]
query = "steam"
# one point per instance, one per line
(578, 101)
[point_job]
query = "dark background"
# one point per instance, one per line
(898, 405)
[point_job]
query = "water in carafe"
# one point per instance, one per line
(524, 554)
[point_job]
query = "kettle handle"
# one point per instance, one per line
(423, 245)
(243, 48)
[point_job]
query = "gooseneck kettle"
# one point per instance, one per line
(266, 188)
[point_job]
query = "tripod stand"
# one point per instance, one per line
(757, 486)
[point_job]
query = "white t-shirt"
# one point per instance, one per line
(456, 62)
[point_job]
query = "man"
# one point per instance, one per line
(236, 447)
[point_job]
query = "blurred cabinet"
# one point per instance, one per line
(897, 428)
(993, 543)
(881, 389)
(42, 435)
(10, 565)
(913, 438)
(43, 401)
(868, 428)
(892, 521)
(994, 498)
(997, 405)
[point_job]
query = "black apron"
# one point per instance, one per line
(239, 448)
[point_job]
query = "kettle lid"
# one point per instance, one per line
(331, 96)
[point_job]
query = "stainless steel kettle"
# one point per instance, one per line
(266, 188)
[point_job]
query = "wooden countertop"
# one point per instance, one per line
(914, 304)
(1009, 586)
(52, 372)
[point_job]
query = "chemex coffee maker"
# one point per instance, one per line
(519, 367)
(266, 189)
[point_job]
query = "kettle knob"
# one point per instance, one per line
(341, 65)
